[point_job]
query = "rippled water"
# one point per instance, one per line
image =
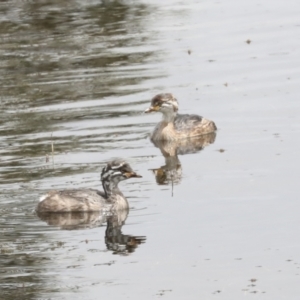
(221, 220)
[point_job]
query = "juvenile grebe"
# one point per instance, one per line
(175, 126)
(83, 200)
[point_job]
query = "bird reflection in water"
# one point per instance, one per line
(171, 172)
(87, 208)
(115, 240)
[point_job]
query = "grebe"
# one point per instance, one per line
(84, 200)
(175, 126)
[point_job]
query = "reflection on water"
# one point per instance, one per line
(68, 70)
(118, 242)
(76, 73)
(171, 172)
(73, 220)
(115, 240)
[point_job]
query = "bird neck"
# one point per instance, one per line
(110, 187)
(169, 116)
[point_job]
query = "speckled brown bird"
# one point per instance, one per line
(175, 126)
(83, 200)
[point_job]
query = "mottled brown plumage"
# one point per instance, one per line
(86, 200)
(176, 126)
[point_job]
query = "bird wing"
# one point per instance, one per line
(185, 122)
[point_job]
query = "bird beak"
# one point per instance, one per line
(151, 109)
(132, 174)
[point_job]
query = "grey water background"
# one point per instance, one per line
(78, 75)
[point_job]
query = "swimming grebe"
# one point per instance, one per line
(175, 126)
(83, 200)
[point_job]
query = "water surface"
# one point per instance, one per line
(221, 221)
